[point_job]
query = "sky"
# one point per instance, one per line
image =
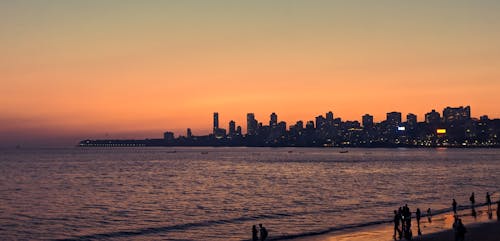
(72, 70)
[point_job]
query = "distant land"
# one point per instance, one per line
(453, 128)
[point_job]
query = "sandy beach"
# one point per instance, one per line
(475, 232)
(481, 228)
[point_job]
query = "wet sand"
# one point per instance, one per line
(480, 228)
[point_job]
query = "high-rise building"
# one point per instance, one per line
(299, 125)
(411, 121)
(320, 122)
(273, 120)
(216, 122)
(232, 128)
(329, 116)
(394, 118)
(451, 114)
(433, 118)
(310, 125)
(238, 130)
(367, 121)
(251, 124)
(189, 134)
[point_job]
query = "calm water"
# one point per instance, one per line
(189, 194)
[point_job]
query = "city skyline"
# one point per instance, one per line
(130, 69)
(455, 127)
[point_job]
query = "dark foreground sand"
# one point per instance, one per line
(476, 232)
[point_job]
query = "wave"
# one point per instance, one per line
(187, 226)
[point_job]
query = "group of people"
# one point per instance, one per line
(402, 221)
(472, 200)
(262, 231)
(403, 216)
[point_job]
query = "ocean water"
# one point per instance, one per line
(219, 193)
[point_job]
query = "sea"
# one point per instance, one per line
(205, 193)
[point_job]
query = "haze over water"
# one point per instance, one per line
(219, 193)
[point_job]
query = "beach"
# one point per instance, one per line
(481, 228)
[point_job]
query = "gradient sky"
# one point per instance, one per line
(72, 69)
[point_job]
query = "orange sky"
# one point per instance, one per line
(133, 69)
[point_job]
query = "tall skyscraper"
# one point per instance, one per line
(251, 124)
(216, 122)
(329, 117)
(189, 134)
(273, 120)
(367, 121)
(232, 128)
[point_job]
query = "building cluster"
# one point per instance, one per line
(453, 128)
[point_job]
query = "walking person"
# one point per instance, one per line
(254, 233)
(472, 200)
(263, 232)
(454, 204)
(429, 215)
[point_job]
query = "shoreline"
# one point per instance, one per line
(480, 228)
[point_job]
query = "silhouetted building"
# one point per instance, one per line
(411, 121)
(188, 133)
(433, 118)
(367, 121)
(251, 124)
(168, 136)
(273, 120)
(232, 128)
(216, 122)
(394, 118)
(452, 114)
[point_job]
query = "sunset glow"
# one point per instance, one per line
(133, 69)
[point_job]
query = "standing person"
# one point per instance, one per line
(461, 230)
(263, 232)
(488, 201)
(472, 200)
(397, 218)
(454, 204)
(429, 215)
(418, 215)
(498, 211)
(254, 233)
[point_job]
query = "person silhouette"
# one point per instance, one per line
(498, 210)
(472, 200)
(429, 215)
(263, 232)
(461, 230)
(488, 201)
(454, 204)
(397, 218)
(254, 233)
(418, 215)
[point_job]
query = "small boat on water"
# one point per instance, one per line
(204, 152)
(343, 151)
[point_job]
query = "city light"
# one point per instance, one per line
(441, 131)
